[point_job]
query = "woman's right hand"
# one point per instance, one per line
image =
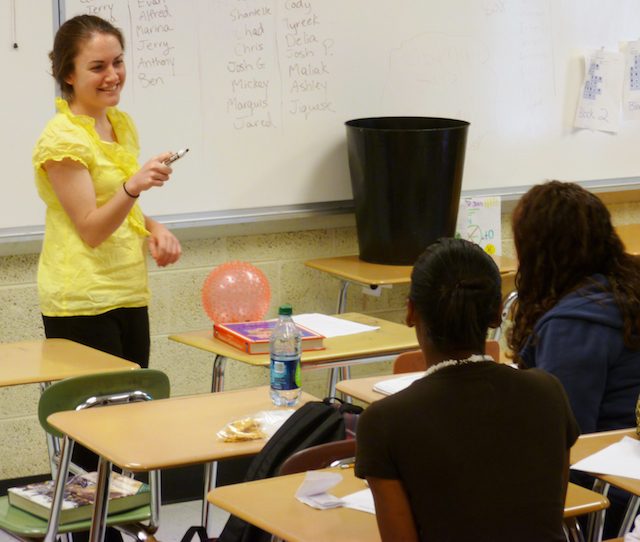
(153, 173)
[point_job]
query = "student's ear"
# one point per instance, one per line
(411, 314)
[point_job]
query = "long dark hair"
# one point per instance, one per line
(563, 235)
(455, 288)
(66, 46)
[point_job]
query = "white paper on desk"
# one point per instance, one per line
(394, 385)
(360, 500)
(330, 326)
(313, 490)
(619, 459)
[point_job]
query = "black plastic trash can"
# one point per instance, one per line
(406, 176)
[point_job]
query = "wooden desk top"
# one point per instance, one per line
(47, 360)
(630, 235)
(286, 517)
(391, 338)
(353, 269)
(593, 442)
(168, 432)
(362, 388)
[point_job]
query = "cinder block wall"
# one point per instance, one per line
(176, 306)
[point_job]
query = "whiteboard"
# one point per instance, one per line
(26, 102)
(259, 90)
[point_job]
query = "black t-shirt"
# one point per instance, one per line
(480, 450)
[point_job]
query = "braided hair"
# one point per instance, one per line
(563, 235)
(455, 288)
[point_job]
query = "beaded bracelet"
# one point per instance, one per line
(127, 192)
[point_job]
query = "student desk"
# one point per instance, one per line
(44, 361)
(362, 388)
(271, 505)
(165, 433)
(390, 340)
(352, 269)
(591, 443)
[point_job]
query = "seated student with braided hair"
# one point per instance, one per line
(474, 450)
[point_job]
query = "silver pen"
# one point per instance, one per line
(176, 156)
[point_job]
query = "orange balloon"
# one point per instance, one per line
(236, 292)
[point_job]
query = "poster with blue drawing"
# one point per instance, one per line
(601, 92)
(631, 89)
(479, 221)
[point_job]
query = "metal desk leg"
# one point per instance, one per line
(154, 479)
(342, 299)
(345, 374)
(99, 521)
(595, 524)
(217, 377)
(54, 517)
(629, 516)
(53, 444)
(333, 380)
(210, 476)
(211, 469)
(572, 531)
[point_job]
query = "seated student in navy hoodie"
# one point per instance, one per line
(578, 310)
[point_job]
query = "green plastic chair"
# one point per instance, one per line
(86, 392)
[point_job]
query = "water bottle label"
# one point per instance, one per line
(285, 374)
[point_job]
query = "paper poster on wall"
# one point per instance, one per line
(479, 221)
(631, 88)
(601, 92)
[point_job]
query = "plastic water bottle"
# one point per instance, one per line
(285, 348)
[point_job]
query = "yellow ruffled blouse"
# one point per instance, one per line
(73, 278)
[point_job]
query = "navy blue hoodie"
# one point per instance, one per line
(580, 341)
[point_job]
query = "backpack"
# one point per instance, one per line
(316, 422)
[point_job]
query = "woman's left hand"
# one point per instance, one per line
(163, 245)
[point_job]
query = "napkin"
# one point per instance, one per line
(313, 490)
(360, 500)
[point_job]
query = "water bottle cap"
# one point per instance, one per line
(285, 310)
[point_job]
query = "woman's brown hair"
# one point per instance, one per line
(563, 235)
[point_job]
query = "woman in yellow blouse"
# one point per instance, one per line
(92, 275)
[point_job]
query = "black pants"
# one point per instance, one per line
(120, 332)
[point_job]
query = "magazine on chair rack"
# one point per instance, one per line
(79, 495)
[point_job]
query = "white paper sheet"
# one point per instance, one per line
(601, 92)
(394, 385)
(330, 326)
(479, 221)
(619, 459)
(631, 95)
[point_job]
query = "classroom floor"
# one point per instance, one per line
(175, 519)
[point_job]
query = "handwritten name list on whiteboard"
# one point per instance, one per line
(277, 67)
